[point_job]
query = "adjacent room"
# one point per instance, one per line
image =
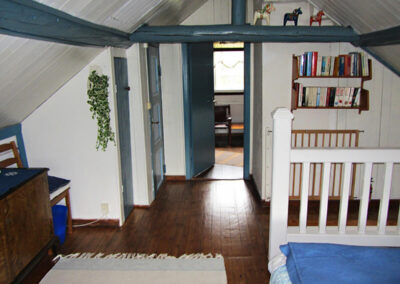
(210, 141)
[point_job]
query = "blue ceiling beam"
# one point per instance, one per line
(238, 12)
(245, 33)
(380, 38)
(33, 20)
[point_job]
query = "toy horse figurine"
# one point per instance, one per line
(317, 18)
(292, 16)
(264, 13)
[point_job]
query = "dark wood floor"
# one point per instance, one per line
(222, 172)
(190, 217)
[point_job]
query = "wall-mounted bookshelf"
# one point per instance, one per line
(311, 66)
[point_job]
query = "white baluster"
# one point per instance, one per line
(344, 199)
(323, 207)
(304, 197)
(384, 204)
(363, 213)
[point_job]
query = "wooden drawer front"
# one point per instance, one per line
(29, 224)
(5, 275)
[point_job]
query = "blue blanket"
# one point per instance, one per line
(329, 263)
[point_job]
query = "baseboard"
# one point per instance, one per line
(175, 178)
(99, 223)
(141, 206)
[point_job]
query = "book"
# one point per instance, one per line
(336, 102)
(348, 92)
(353, 99)
(328, 66)
(341, 65)
(347, 65)
(309, 63)
(339, 95)
(318, 97)
(323, 65)
(336, 67)
(314, 63)
(328, 97)
(302, 62)
(332, 97)
(319, 60)
(357, 98)
(300, 98)
(364, 65)
(322, 100)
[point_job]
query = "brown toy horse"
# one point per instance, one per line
(317, 18)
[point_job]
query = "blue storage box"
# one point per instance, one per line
(60, 221)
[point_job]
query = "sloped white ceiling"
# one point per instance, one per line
(31, 70)
(366, 16)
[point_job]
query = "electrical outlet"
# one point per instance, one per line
(104, 209)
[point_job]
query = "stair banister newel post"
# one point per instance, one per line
(281, 146)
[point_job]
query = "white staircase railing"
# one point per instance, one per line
(283, 155)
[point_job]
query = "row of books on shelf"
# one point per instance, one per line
(352, 64)
(328, 96)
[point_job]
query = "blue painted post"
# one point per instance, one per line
(246, 138)
(186, 107)
(238, 12)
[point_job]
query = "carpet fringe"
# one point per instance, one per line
(87, 255)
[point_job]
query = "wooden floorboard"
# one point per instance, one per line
(222, 172)
(218, 217)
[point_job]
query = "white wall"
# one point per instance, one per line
(378, 124)
(257, 123)
(172, 101)
(61, 135)
(140, 125)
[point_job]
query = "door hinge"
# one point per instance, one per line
(159, 70)
(164, 168)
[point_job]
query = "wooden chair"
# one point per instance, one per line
(223, 120)
(58, 187)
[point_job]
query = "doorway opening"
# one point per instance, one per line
(213, 145)
(229, 109)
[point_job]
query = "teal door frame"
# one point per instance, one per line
(155, 116)
(188, 116)
(124, 133)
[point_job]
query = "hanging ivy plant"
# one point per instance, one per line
(98, 101)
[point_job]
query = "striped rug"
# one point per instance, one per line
(137, 268)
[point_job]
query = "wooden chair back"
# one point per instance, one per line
(4, 148)
(222, 113)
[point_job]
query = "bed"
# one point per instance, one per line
(330, 254)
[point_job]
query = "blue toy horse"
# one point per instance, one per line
(292, 16)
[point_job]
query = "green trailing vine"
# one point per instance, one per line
(98, 101)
